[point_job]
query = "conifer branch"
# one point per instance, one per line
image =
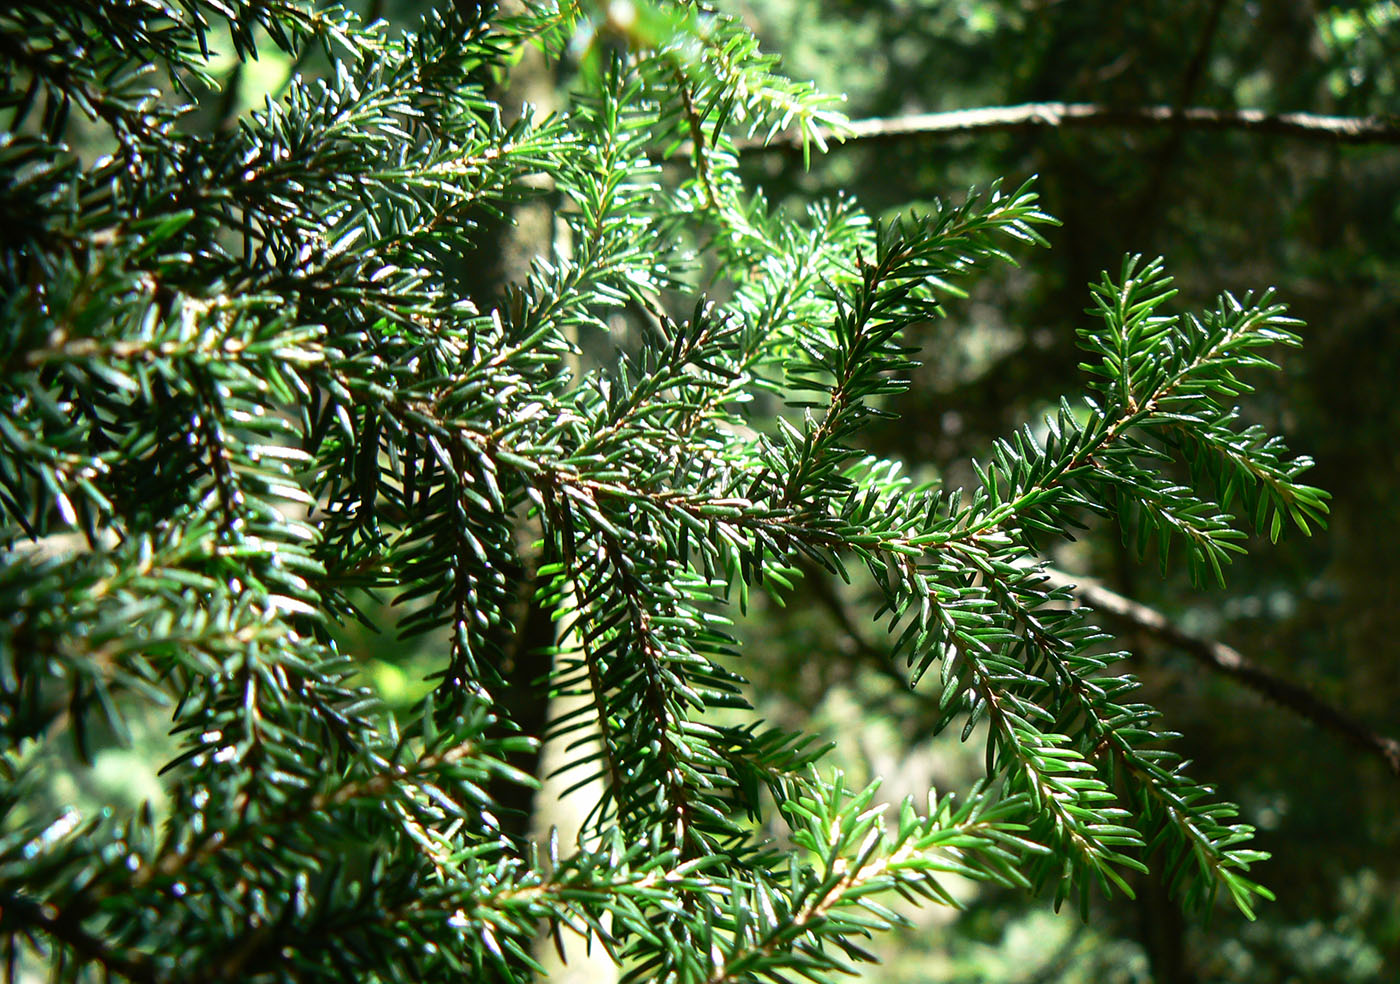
(1201, 832)
(699, 150)
(251, 376)
(612, 768)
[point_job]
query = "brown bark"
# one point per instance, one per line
(1059, 115)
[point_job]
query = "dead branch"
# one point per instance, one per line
(1059, 115)
(1228, 661)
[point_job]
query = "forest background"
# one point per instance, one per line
(1316, 216)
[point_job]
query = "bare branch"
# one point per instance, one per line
(1171, 147)
(1058, 115)
(1230, 662)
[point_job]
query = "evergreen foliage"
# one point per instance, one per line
(245, 391)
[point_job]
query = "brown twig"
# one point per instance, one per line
(1059, 115)
(697, 141)
(1230, 662)
(1190, 83)
(1210, 652)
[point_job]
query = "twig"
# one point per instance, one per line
(863, 649)
(697, 141)
(1195, 68)
(1058, 115)
(1230, 662)
(1190, 83)
(1210, 652)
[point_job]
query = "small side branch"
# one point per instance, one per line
(1058, 115)
(1230, 662)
